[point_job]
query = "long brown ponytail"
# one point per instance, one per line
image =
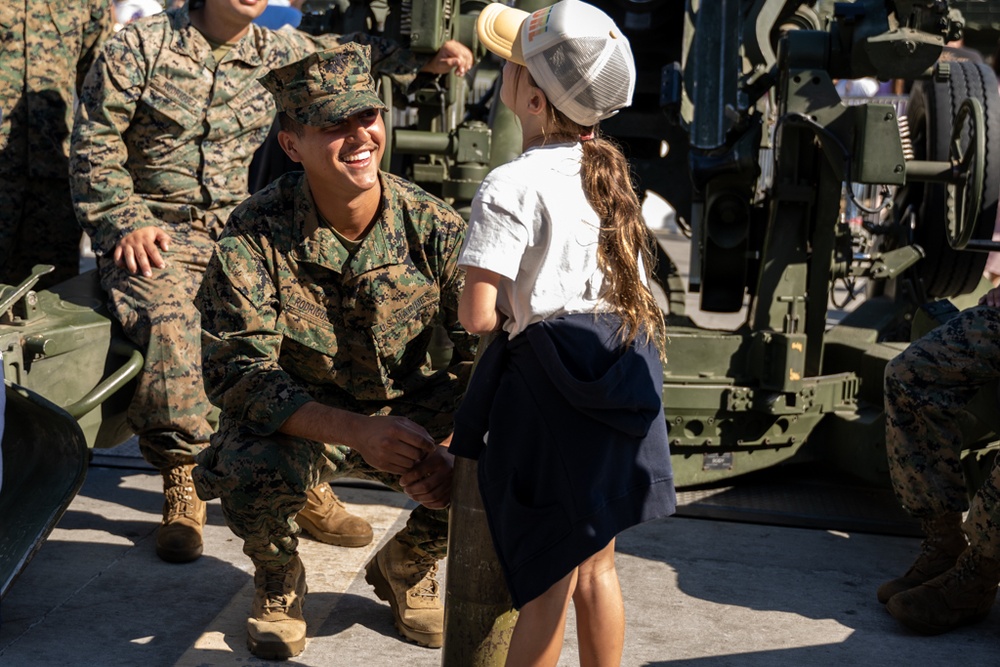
(624, 236)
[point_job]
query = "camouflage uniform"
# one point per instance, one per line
(289, 316)
(926, 390)
(46, 48)
(160, 141)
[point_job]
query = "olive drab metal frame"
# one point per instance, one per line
(772, 146)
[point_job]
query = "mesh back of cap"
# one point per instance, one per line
(594, 93)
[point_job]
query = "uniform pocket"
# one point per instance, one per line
(65, 16)
(253, 109)
(310, 343)
(403, 327)
(169, 100)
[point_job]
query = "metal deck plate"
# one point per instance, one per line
(801, 498)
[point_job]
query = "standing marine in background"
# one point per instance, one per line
(46, 49)
(170, 116)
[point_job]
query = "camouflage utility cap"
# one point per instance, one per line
(326, 87)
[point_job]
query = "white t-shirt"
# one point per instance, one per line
(531, 223)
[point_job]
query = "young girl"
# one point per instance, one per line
(564, 411)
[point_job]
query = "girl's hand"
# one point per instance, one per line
(429, 481)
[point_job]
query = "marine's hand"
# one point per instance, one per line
(392, 444)
(429, 481)
(139, 251)
(991, 298)
(452, 55)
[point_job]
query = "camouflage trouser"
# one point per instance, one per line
(170, 409)
(927, 388)
(262, 480)
(37, 226)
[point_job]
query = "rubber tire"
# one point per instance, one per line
(945, 272)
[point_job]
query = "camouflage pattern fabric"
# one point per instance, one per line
(169, 409)
(158, 142)
(289, 316)
(240, 463)
(155, 135)
(926, 390)
(46, 48)
(326, 87)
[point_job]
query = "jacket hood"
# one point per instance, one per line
(621, 388)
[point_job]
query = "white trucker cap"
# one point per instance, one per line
(574, 51)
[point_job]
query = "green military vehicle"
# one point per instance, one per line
(738, 123)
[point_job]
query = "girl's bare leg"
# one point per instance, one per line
(600, 611)
(538, 634)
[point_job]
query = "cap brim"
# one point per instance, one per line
(333, 110)
(499, 29)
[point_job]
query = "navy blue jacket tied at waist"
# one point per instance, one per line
(577, 445)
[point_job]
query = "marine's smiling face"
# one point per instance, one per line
(344, 156)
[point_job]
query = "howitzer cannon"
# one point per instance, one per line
(769, 145)
(774, 151)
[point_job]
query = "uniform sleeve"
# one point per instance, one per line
(103, 192)
(241, 341)
(95, 31)
(451, 279)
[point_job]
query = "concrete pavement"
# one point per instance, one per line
(698, 592)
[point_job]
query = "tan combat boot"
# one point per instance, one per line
(276, 628)
(939, 552)
(179, 538)
(405, 579)
(961, 596)
(327, 519)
